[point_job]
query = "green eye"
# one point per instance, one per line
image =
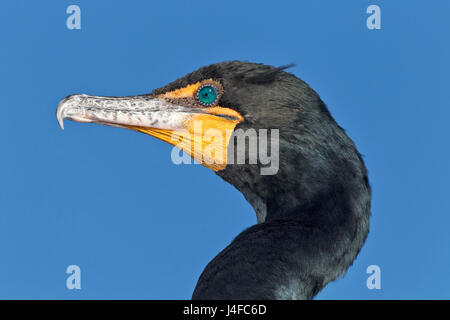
(207, 95)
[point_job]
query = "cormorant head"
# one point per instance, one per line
(259, 127)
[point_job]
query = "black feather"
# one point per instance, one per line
(314, 212)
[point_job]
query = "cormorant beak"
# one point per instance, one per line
(201, 132)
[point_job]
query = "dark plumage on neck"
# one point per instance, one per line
(313, 214)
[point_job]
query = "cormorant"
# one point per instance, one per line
(313, 214)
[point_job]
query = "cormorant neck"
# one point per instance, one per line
(292, 257)
(313, 216)
(308, 235)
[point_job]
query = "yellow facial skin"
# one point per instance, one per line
(186, 92)
(203, 136)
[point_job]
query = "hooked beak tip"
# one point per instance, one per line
(60, 113)
(62, 110)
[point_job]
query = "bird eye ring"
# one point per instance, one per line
(208, 94)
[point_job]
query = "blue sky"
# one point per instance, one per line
(140, 227)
